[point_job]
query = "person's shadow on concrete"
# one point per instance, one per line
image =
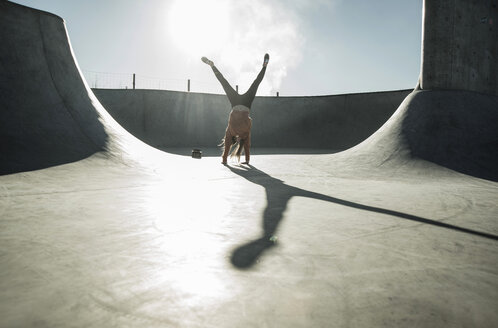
(278, 195)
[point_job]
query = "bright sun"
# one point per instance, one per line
(199, 27)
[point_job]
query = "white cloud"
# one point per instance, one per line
(259, 27)
(237, 34)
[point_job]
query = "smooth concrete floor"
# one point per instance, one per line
(185, 243)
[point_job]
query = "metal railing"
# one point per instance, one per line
(107, 80)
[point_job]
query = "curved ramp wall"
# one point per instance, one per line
(180, 119)
(48, 115)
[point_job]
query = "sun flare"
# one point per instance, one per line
(199, 27)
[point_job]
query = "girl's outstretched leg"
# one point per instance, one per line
(229, 91)
(251, 93)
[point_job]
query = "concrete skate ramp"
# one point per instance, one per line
(370, 237)
(48, 114)
(181, 119)
(454, 129)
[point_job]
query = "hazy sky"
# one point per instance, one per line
(317, 47)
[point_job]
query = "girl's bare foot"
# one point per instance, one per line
(207, 61)
(266, 60)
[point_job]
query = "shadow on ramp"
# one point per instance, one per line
(450, 128)
(454, 129)
(278, 195)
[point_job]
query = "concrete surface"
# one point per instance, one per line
(179, 119)
(129, 236)
(45, 118)
(455, 129)
(94, 244)
(459, 48)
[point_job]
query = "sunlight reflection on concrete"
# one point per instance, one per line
(191, 216)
